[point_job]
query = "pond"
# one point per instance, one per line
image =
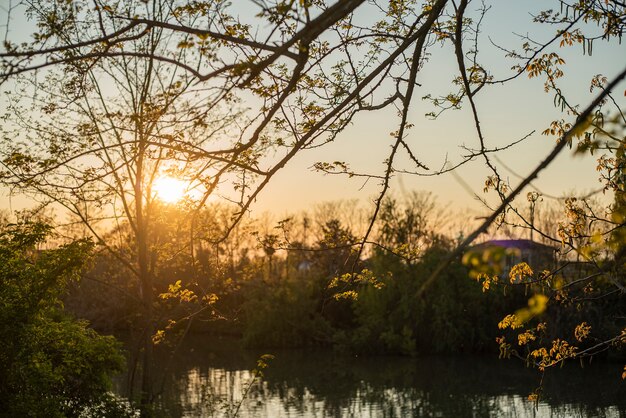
(210, 375)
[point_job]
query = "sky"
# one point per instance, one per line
(508, 112)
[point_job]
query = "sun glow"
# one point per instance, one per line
(169, 189)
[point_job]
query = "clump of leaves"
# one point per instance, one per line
(52, 365)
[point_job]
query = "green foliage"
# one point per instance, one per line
(285, 313)
(373, 305)
(303, 307)
(454, 315)
(52, 365)
(184, 280)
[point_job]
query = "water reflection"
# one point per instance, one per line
(210, 378)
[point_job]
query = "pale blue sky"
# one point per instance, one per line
(508, 112)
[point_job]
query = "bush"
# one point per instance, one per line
(454, 315)
(52, 365)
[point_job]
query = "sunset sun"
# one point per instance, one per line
(169, 189)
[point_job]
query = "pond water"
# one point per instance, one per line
(210, 375)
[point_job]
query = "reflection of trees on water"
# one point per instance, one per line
(452, 386)
(386, 387)
(209, 381)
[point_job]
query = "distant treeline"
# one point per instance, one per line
(308, 282)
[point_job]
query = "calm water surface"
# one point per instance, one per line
(210, 375)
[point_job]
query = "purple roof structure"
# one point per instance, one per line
(522, 244)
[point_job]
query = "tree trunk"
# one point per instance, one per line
(145, 286)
